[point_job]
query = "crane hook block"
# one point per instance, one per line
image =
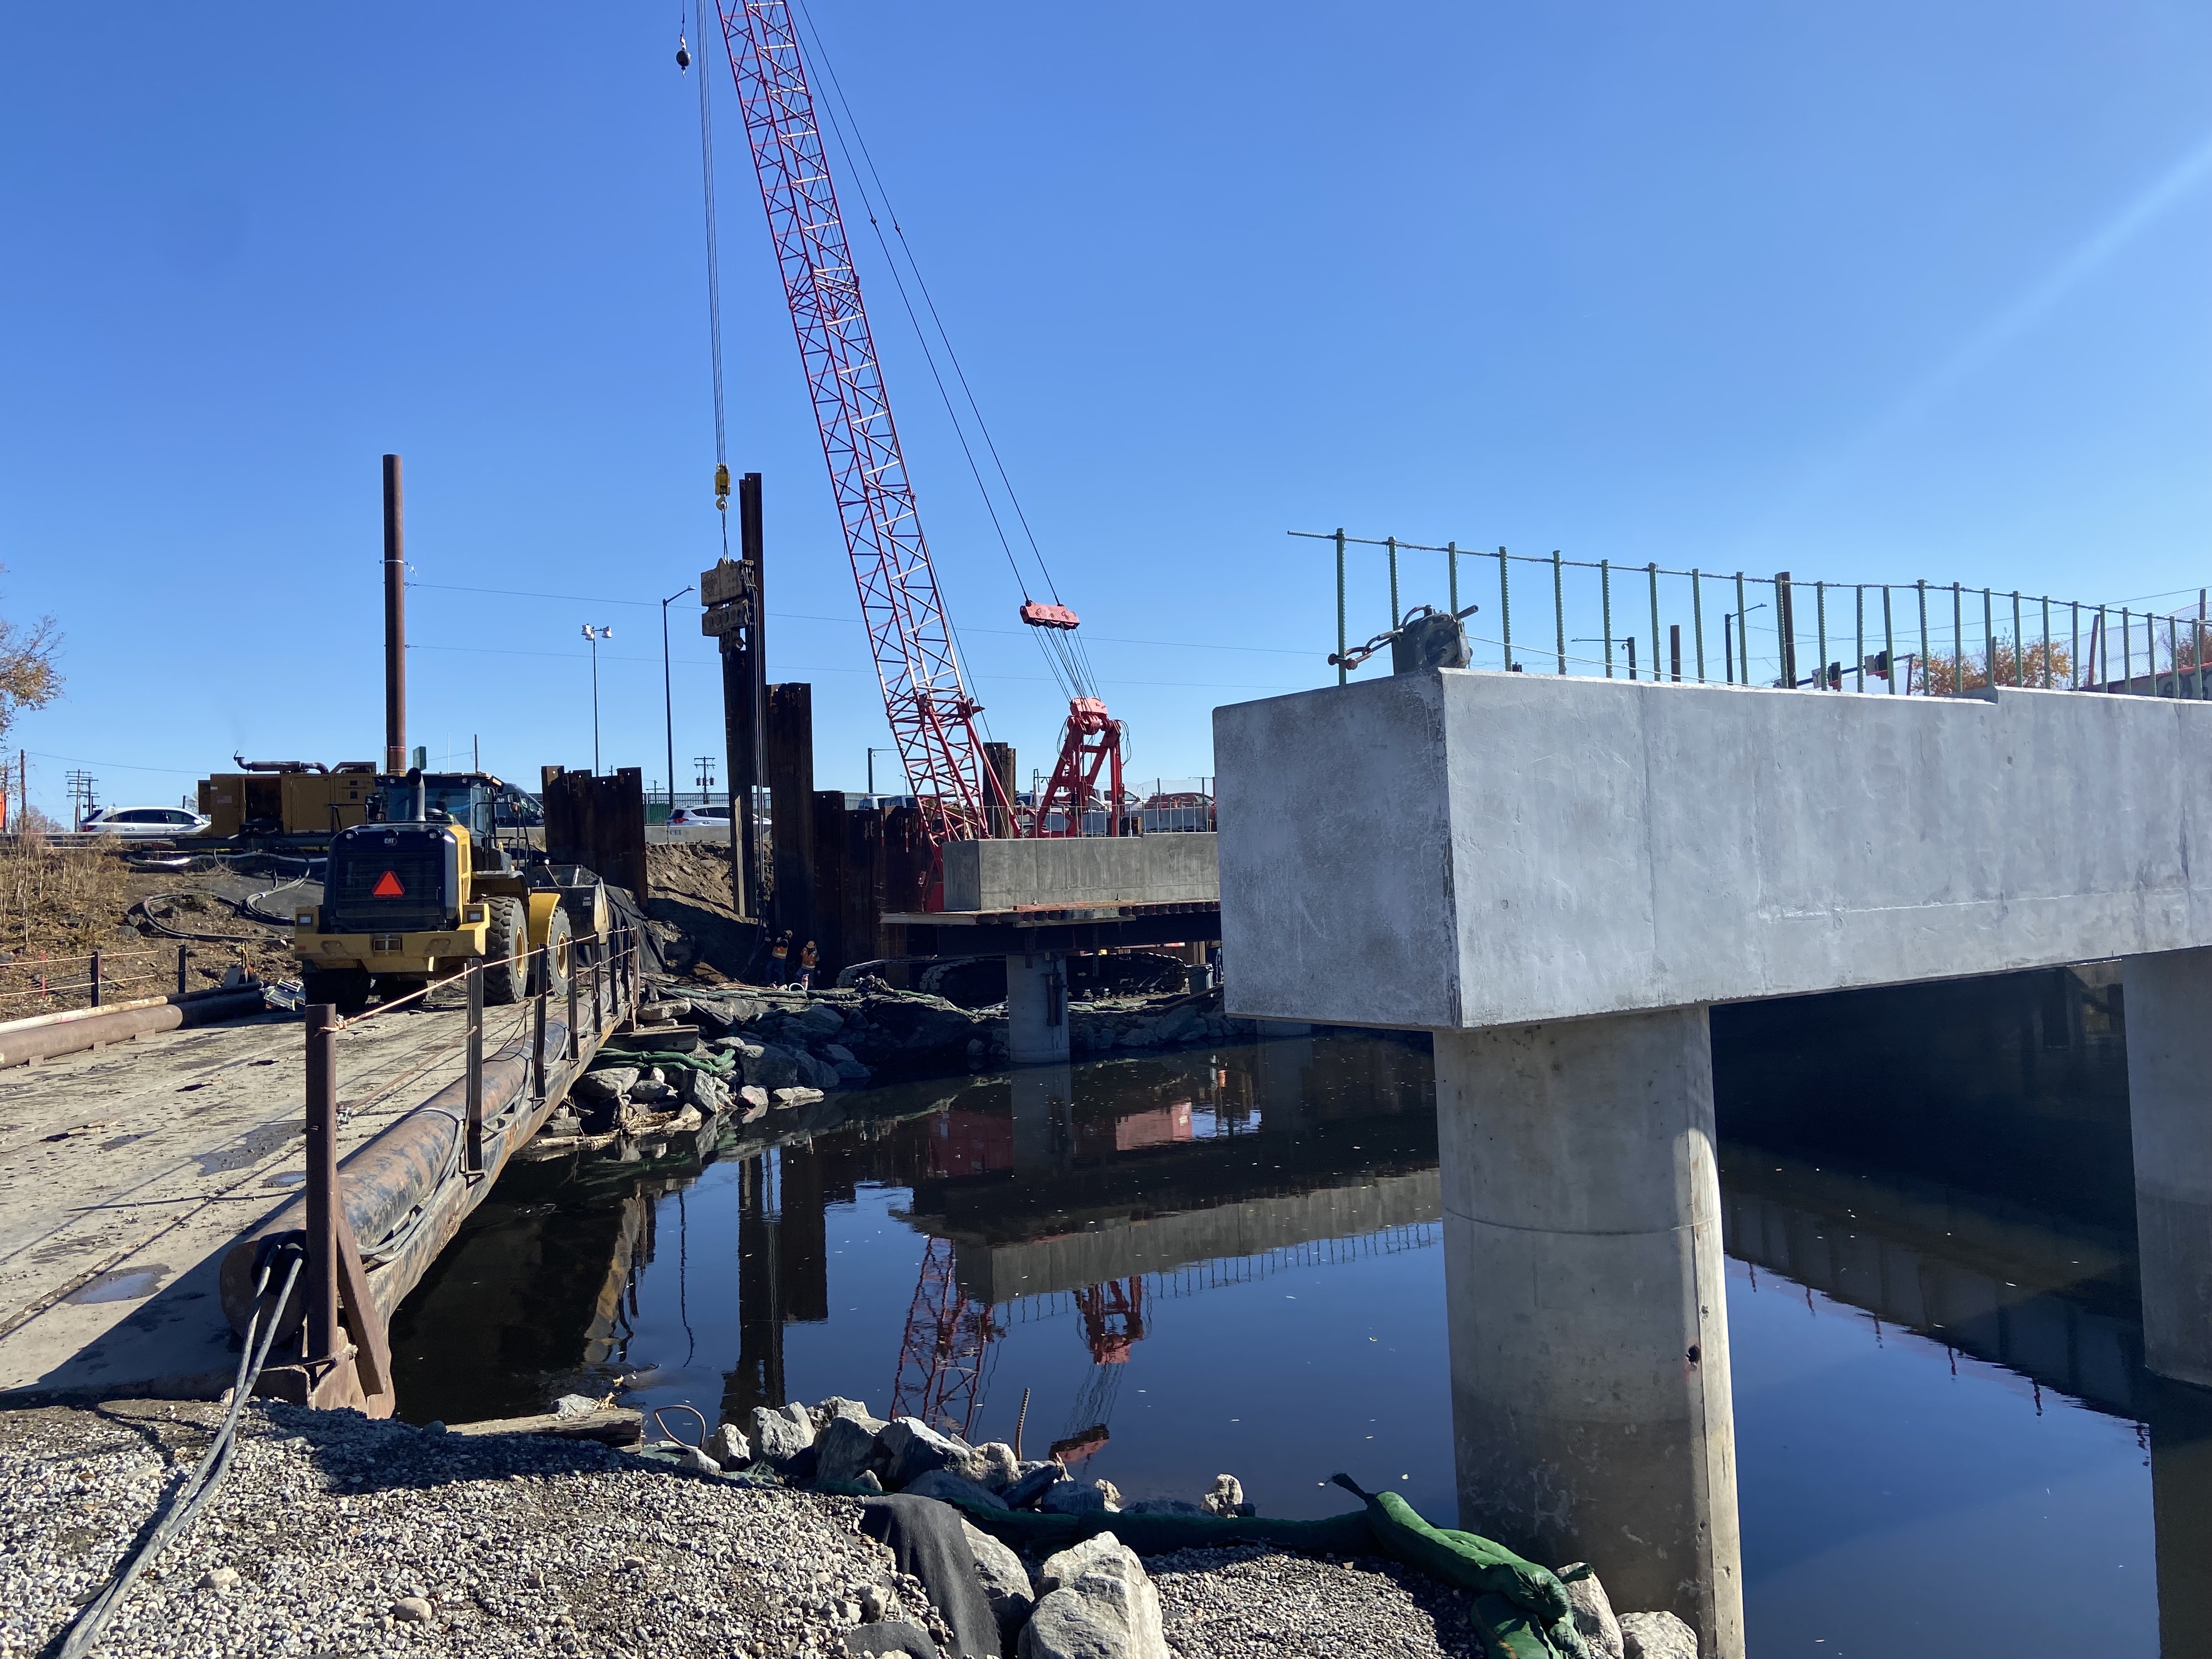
(683, 53)
(722, 486)
(1039, 615)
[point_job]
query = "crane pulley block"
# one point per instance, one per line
(1038, 614)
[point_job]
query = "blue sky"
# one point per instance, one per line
(1870, 294)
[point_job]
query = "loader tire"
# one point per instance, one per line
(550, 969)
(345, 989)
(507, 950)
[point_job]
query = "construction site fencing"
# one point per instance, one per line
(97, 979)
(1547, 614)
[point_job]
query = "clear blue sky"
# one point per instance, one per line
(1885, 291)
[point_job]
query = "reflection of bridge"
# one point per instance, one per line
(2051, 1298)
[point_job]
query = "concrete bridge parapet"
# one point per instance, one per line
(1558, 876)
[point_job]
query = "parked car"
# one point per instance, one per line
(717, 816)
(165, 822)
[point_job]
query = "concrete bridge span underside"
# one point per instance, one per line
(1558, 876)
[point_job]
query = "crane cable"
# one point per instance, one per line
(1064, 649)
(713, 267)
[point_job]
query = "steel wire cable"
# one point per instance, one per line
(201, 1485)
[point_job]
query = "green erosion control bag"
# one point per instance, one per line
(1521, 1608)
(713, 1065)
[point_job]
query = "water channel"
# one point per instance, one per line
(1232, 1260)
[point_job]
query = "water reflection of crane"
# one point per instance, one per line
(1113, 1323)
(948, 1337)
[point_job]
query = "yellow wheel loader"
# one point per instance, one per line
(426, 887)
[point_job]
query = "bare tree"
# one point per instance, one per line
(28, 678)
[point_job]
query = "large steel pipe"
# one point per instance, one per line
(83, 1029)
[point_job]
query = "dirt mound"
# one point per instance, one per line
(697, 873)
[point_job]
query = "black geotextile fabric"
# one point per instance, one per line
(926, 1538)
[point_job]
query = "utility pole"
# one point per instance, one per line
(667, 692)
(595, 635)
(703, 770)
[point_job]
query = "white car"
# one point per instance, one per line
(717, 816)
(161, 822)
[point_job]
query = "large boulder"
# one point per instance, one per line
(1226, 1497)
(1005, 1580)
(1032, 1486)
(912, 1449)
(847, 1447)
(1000, 1467)
(609, 1083)
(820, 1020)
(1095, 1602)
(772, 1068)
(1073, 1498)
(1656, 1636)
(780, 1435)
(728, 1447)
(1593, 1617)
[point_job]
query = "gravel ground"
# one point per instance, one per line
(1231, 1603)
(330, 1521)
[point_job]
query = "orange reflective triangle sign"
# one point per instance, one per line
(389, 886)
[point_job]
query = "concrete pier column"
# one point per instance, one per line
(1589, 1325)
(2169, 1024)
(1036, 1009)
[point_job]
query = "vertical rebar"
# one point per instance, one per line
(1391, 541)
(1989, 642)
(2073, 663)
(472, 1141)
(320, 1340)
(1742, 630)
(1605, 604)
(1889, 642)
(1820, 631)
(2172, 650)
(1697, 619)
(1922, 588)
(2019, 644)
(1559, 609)
(1785, 623)
(1451, 573)
(1653, 567)
(1504, 611)
(1958, 639)
(1342, 672)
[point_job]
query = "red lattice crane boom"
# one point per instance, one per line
(931, 713)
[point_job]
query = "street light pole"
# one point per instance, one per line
(873, 753)
(595, 635)
(667, 694)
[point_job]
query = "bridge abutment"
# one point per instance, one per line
(1587, 1306)
(2169, 1033)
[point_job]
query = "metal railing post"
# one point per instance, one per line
(1858, 605)
(538, 1043)
(1958, 639)
(2047, 642)
(1451, 573)
(319, 1339)
(1391, 541)
(1921, 588)
(472, 1154)
(2127, 649)
(96, 978)
(182, 956)
(1989, 642)
(2173, 649)
(573, 1051)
